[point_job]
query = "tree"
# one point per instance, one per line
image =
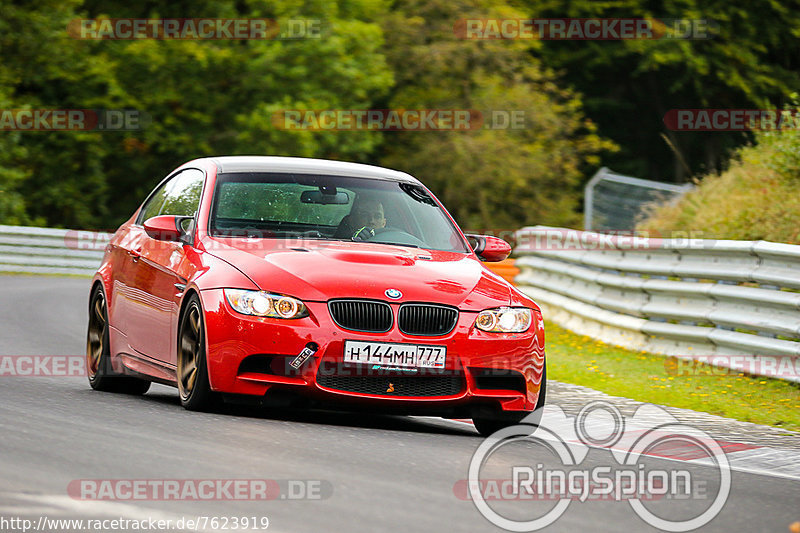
(202, 98)
(752, 60)
(489, 178)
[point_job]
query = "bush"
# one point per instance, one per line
(758, 197)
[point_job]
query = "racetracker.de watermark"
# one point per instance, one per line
(526, 239)
(398, 119)
(73, 120)
(564, 239)
(199, 489)
(584, 29)
(42, 365)
(785, 367)
(14, 524)
(209, 29)
(688, 498)
(732, 119)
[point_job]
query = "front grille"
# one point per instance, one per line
(361, 315)
(396, 386)
(427, 319)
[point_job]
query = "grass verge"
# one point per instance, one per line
(651, 378)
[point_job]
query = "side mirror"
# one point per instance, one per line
(164, 228)
(488, 248)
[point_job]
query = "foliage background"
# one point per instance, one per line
(758, 197)
(586, 102)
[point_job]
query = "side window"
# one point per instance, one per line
(153, 205)
(183, 195)
(180, 196)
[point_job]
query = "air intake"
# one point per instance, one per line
(396, 386)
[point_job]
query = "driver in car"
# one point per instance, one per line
(366, 217)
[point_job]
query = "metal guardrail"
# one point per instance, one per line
(26, 249)
(734, 303)
(688, 298)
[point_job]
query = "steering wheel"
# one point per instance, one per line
(395, 235)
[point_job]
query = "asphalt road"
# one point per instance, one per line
(373, 473)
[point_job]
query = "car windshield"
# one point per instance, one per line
(282, 206)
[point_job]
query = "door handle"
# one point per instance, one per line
(180, 286)
(134, 255)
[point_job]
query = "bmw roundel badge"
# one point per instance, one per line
(394, 294)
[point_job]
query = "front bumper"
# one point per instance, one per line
(251, 356)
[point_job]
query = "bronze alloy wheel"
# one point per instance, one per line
(189, 351)
(98, 363)
(192, 374)
(97, 340)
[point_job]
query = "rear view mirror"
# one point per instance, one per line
(488, 248)
(163, 228)
(170, 228)
(318, 197)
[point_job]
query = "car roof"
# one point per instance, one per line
(303, 165)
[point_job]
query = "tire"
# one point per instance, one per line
(487, 426)
(98, 355)
(192, 370)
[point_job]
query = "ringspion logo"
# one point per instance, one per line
(629, 477)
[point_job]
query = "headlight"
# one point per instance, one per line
(504, 320)
(260, 303)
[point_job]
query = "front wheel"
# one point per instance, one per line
(487, 426)
(192, 371)
(98, 355)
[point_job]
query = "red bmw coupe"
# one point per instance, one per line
(312, 282)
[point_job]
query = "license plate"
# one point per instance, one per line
(395, 354)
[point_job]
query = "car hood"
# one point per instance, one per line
(324, 270)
